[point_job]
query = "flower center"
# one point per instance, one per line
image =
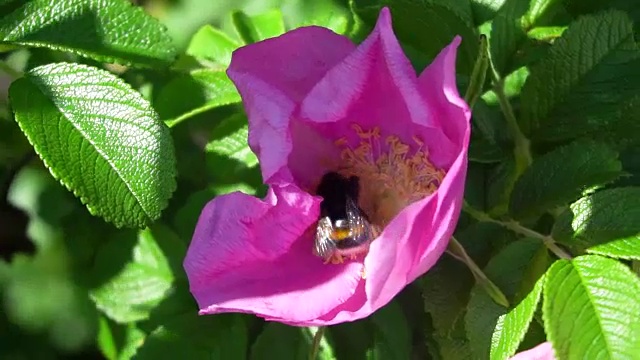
(392, 174)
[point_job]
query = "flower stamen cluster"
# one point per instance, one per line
(392, 173)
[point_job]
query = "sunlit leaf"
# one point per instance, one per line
(99, 138)
(591, 309)
(562, 175)
(512, 326)
(107, 31)
(129, 292)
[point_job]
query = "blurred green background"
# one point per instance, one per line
(184, 17)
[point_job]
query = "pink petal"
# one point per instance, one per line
(449, 197)
(376, 86)
(543, 351)
(273, 76)
(255, 256)
(437, 84)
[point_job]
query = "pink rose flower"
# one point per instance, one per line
(543, 351)
(317, 103)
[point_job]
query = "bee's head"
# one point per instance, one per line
(335, 189)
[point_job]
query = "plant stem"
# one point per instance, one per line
(548, 240)
(456, 250)
(522, 149)
(516, 227)
(478, 74)
(315, 345)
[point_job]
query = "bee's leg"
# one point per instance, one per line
(336, 259)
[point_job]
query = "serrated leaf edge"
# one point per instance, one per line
(495, 339)
(172, 50)
(83, 199)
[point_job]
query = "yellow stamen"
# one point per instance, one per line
(392, 174)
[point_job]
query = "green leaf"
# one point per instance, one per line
(605, 216)
(268, 24)
(325, 350)
(337, 22)
(279, 341)
(488, 137)
(6, 2)
(507, 34)
(445, 289)
(190, 336)
(229, 159)
(444, 299)
(474, 187)
(134, 338)
(230, 140)
(483, 151)
(587, 75)
(212, 45)
(260, 27)
(106, 341)
(631, 164)
(454, 345)
(442, 20)
(500, 180)
(119, 341)
(591, 307)
(485, 10)
(624, 130)
(562, 175)
(351, 340)
(546, 33)
(447, 285)
(99, 138)
(129, 293)
(508, 269)
(510, 26)
(513, 84)
(391, 334)
(628, 248)
(113, 31)
(512, 326)
(191, 94)
(481, 318)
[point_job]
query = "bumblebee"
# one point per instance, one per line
(343, 228)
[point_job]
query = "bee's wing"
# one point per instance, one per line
(357, 221)
(324, 245)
